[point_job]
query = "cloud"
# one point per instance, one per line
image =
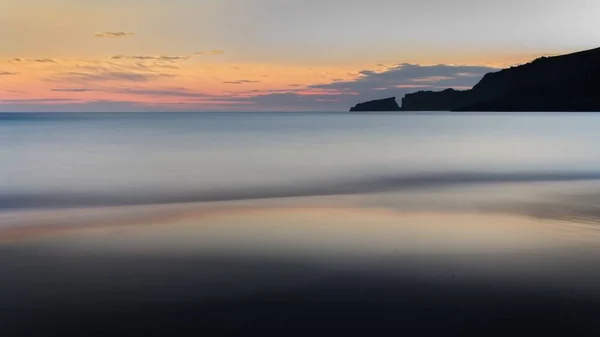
(468, 74)
(76, 73)
(210, 53)
(43, 60)
(294, 101)
(151, 58)
(72, 106)
(241, 82)
(70, 90)
(168, 92)
(116, 105)
(123, 57)
(112, 35)
(36, 100)
(432, 79)
(407, 75)
(7, 73)
(368, 84)
(110, 76)
(134, 80)
(151, 67)
(20, 60)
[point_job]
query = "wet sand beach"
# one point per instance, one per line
(352, 265)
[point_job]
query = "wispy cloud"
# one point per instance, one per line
(7, 73)
(70, 90)
(241, 82)
(433, 79)
(150, 58)
(109, 76)
(43, 60)
(210, 53)
(37, 100)
(113, 34)
(168, 92)
(117, 105)
(123, 57)
(411, 76)
(18, 60)
(152, 66)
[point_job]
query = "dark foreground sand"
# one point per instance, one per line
(191, 298)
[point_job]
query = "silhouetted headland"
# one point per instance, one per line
(560, 83)
(387, 104)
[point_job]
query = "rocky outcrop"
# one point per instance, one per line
(387, 104)
(560, 83)
(446, 100)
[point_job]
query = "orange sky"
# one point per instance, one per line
(251, 55)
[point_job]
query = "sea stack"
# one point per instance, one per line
(387, 104)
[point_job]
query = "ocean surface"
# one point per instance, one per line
(127, 224)
(96, 159)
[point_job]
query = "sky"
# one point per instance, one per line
(255, 55)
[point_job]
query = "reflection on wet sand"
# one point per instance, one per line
(441, 261)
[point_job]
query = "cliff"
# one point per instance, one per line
(387, 104)
(446, 100)
(560, 83)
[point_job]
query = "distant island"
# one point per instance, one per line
(387, 104)
(559, 83)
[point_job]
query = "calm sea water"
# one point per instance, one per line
(70, 159)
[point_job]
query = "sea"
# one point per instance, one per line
(65, 160)
(299, 223)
